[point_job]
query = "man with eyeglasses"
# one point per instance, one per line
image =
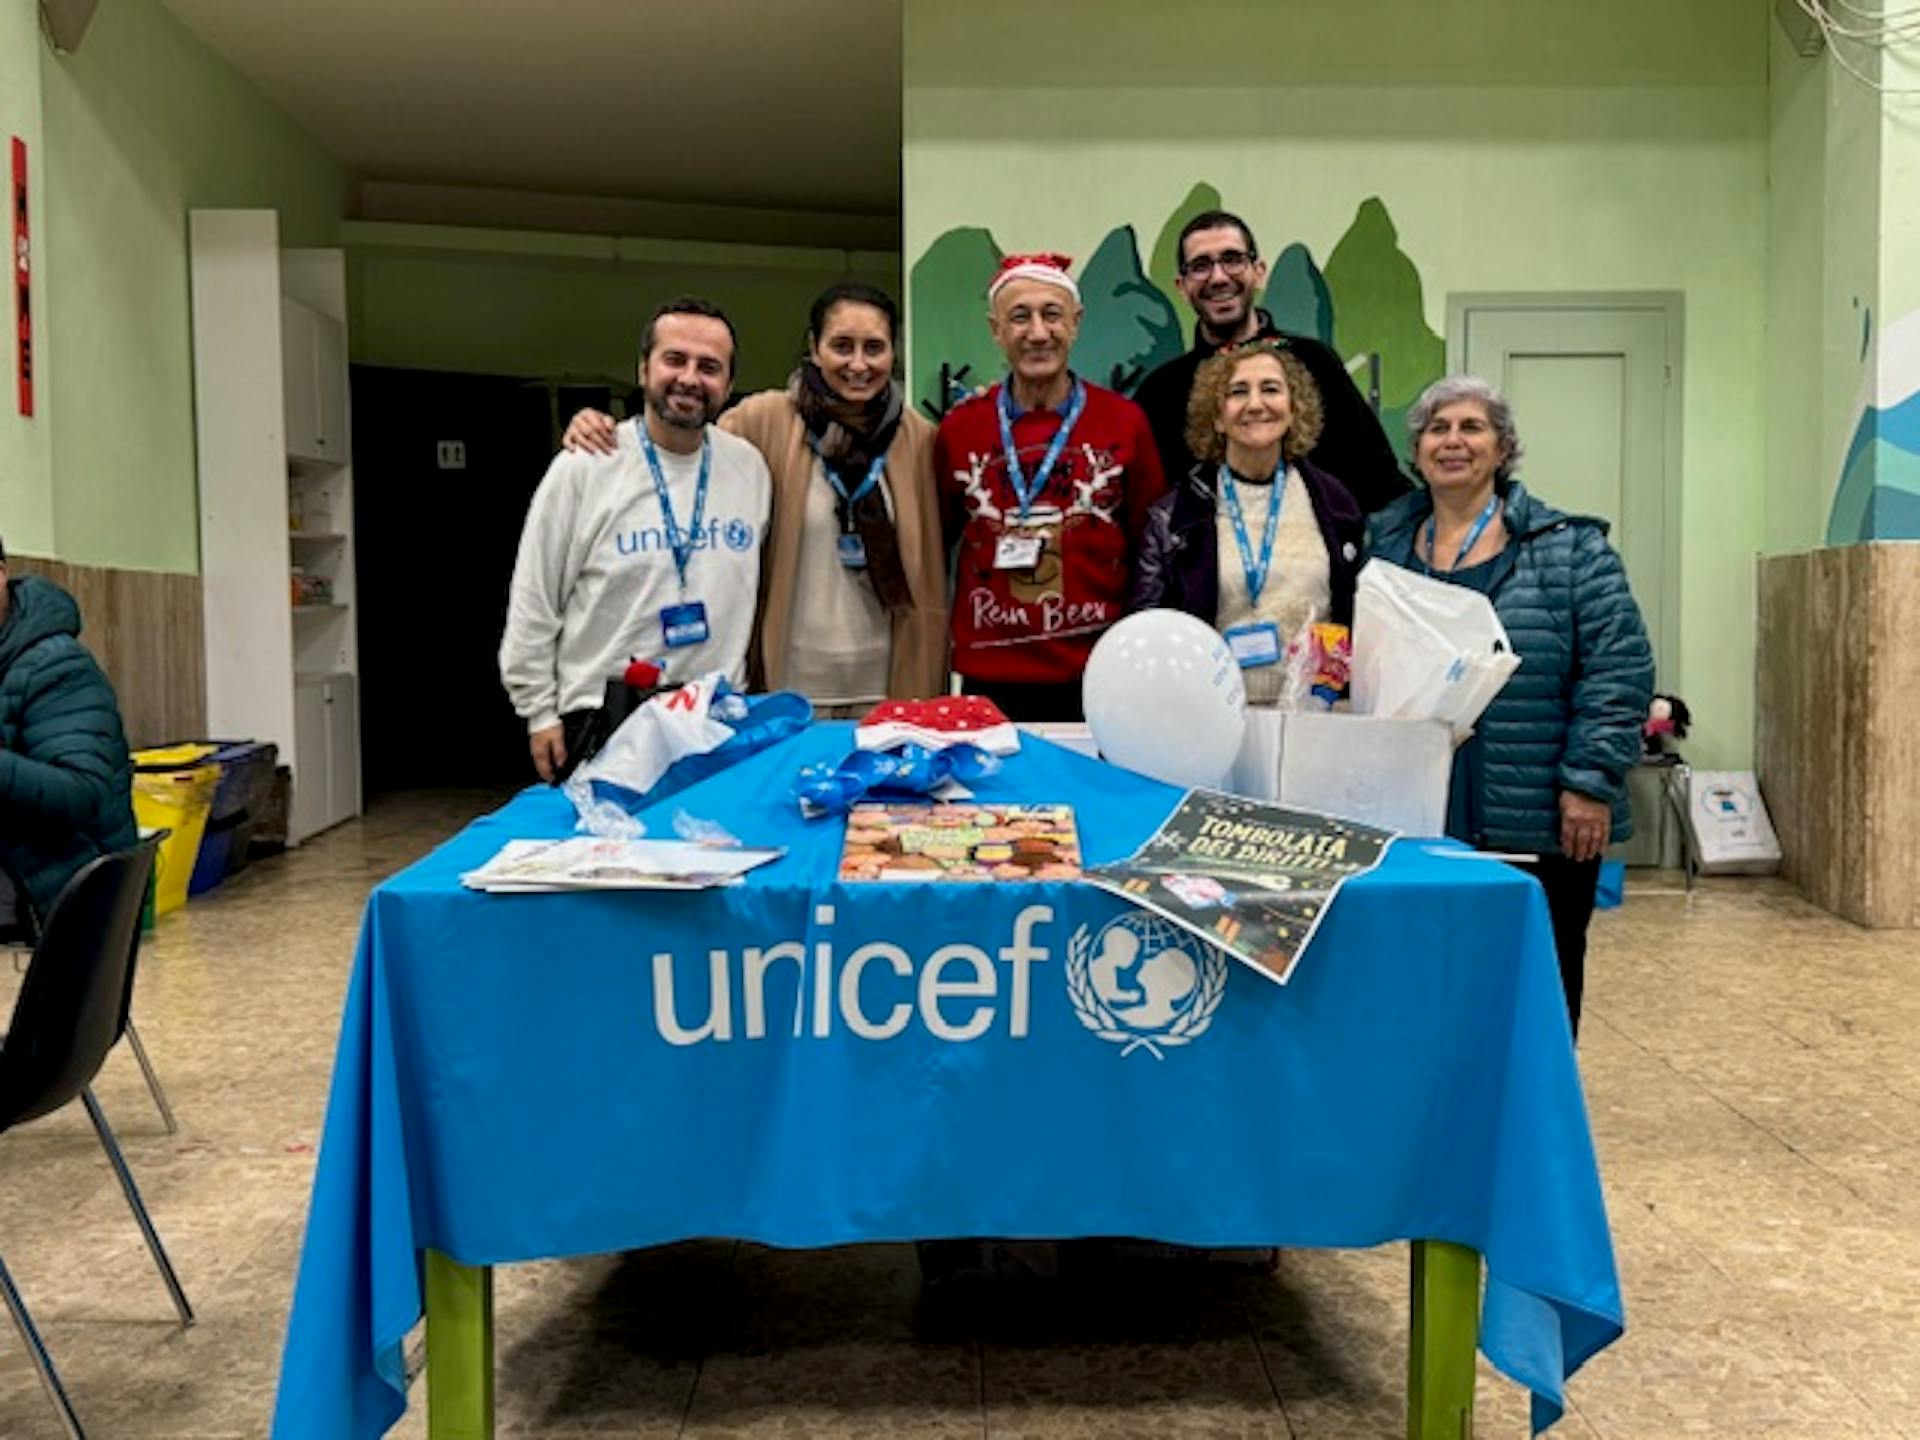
(1221, 274)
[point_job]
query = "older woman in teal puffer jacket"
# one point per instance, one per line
(66, 780)
(1545, 773)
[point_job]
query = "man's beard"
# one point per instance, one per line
(1233, 325)
(657, 403)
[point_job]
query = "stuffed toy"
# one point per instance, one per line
(1667, 715)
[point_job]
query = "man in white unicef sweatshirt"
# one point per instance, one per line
(651, 552)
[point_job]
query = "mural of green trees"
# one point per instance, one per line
(948, 318)
(1298, 297)
(1367, 302)
(1165, 264)
(1378, 310)
(1131, 325)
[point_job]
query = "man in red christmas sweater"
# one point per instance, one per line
(1044, 484)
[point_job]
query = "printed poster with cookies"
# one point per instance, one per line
(917, 841)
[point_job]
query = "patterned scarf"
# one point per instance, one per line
(847, 437)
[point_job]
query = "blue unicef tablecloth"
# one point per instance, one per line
(800, 1063)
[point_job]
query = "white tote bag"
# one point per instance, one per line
(670, 726)
(1426, 650)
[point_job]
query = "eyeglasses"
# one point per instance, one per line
(1230, 262)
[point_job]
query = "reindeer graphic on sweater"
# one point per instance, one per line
(1085, 520)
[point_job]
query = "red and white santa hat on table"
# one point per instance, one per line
(1046, 267)
(938, 723)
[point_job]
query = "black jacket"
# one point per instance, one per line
(1352, 448)
(1178, 565)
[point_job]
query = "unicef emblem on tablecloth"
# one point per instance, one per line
(1144, 983)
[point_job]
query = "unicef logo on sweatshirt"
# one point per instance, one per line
(736, 534)
(1144, 983)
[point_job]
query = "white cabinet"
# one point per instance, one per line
(311, 801)
(299, 380)
(276, 504)
(330, 385)
(343, 748)
(313, 350)
(326, 753)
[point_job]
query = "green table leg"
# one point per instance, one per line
(459, 1350)
(1446, 1332)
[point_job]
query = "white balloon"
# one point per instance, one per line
(1163, 696)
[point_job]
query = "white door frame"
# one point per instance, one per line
(1672, 304)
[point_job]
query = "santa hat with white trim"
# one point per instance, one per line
(1046, 267)
(937, 723)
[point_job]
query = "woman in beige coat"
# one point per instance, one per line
(853, 595)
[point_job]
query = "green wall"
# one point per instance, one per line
(142, 124)
(551, 306)
(1843, 330)
(1517, 146)
(1900, 180)
(26, 481)
(1800, 467)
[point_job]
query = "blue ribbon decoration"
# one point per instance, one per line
(905, 769)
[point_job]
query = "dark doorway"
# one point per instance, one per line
(436, 531)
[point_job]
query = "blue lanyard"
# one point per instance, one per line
(681, 544)
(1029, 491)
(1478, 529)
(860, 491)
(1256, 571)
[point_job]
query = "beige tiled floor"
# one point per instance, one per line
(1753, 1073)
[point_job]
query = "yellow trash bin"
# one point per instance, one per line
(172, 791)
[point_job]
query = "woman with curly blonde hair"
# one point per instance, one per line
(1258, 541)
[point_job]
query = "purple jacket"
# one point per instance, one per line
(1178, 563)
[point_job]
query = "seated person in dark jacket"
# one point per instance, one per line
(1545, 772)
(1259, 542)
(66, 781)
(1221, 274)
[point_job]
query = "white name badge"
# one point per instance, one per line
(684, 624)
(1254, 645)
(1017, 552)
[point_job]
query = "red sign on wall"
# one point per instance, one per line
(22, 278)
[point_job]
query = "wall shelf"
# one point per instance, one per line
(273, 426)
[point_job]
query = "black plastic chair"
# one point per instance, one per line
(20, 936)
(71, 1011)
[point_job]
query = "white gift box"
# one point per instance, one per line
(1071, 735)
(1383, 771)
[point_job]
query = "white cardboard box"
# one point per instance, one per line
(1732, 834)
(1067, 734)
(1387, 772)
